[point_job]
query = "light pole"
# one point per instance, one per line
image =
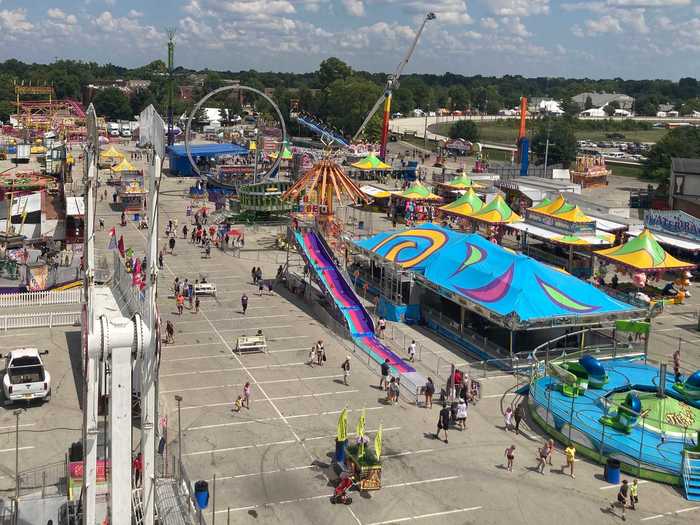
(17, 413)
(179, 437)
(255, 171)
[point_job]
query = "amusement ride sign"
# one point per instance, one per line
(674, 222)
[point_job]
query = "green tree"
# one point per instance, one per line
(681, 142)
(141, 100)
(570, 108)
(611, 107)
(589, 103)
(459, 97)
(332, 69)
(348, 102)
(465, 129)
(562, 142)
(112, 104)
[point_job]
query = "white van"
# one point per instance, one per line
(113, 129)
(615, 155)
(125, 130)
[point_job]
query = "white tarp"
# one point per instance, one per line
(75, 207)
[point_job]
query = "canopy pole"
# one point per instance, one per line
(510, 342)
(571, 258)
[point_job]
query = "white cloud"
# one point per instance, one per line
(354, 7)
(604, 24)
(255, 7)
(473, 35)
(15, 21)
(133, 13)
(516, 27)
(648, 3)
(519, 7)
(56, 13)
(450, 12)
(489, 23)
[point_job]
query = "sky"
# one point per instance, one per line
(631, 39)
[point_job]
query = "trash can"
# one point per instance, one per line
(137, 217)
(340, 451)
(201, 493)
(612, 471)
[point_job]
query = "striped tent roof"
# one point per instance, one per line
(466, 205)
(644, 253)
(497, 212)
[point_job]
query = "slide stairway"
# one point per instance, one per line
(359, 322)
(691, 475)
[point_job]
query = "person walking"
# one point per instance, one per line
(180, 303)
(246, 395)
(542, 457)
(184, 231)
(508, 419)
(196, 305)
(462, 414)
(382, 327)
(677, 365)
(312, 356)
(169, 332)
(102, 224)
(634, 494)
(346, 370)
(412, 351)
(621, 499)
(258, 274)
(320, 353)
(519, 415)
(253, 275)
(244, 303)
(384, 381)
(171, 245)
(429, 390)
(550, 447)
(570, 453)
(137, 467)
(160, 260)
(261, 287)
(443, 422)
(510, 457)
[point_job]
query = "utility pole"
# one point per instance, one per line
(17, 413)
(179, 438)
(546, 146)
(171, 54)
(257, 147)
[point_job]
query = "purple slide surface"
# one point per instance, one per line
(357, 318)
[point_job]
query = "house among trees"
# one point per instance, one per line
(589, 100)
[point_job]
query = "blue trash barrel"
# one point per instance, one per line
(612, 471)
(201, 493)
(137, 217)
(340, 451)
(360, 225)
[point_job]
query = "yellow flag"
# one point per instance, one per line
(360, 430)
(343, 425)
(378, 442)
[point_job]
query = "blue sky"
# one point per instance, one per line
(595, 39)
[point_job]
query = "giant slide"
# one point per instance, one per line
(322, 130)
(356, 316)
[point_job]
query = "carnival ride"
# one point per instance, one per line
(111, 342)
(634, 414)
(392, 83)
(65, 117)
(319, 127)
(523, 141)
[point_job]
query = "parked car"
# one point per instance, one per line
(25, 378)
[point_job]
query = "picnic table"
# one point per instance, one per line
(251, 343)
(205, 289)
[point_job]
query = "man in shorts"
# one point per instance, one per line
(621, 498)
(443, 422)
(384, 381)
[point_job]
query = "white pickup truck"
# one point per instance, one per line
(25, 377)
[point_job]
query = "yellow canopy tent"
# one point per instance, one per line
(418, 192)
(643, 253)
(111, 153)
(561, 209)
(462, 182)
(496, 212)
(123, 166)
(371, 162)
(466, 205)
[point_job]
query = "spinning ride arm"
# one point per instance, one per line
(391, 84)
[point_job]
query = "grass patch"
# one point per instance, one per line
(506, 132)
(636, 172)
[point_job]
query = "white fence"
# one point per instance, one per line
(37, 320)
(48, 297)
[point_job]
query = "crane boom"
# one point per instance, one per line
(392, 83)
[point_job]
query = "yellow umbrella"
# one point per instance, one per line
(111, 153)
(360, 431)
(378, 442)
(371, 162)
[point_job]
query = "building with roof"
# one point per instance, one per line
(601, 100)
(180, 164)
(684, 186)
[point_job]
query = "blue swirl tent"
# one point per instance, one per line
(490, 279)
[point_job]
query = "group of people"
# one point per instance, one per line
(317, 354)
(186, 291)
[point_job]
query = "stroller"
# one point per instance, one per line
(340, 495)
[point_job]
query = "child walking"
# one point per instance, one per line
(510, 456)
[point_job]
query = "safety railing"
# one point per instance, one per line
(41, 482)
(689, 472)
(42, 298)
(39, 320)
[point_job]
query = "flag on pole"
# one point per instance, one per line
(120, 245)
(343, 425)
(136, 274)
(378, 442)
(112, 239)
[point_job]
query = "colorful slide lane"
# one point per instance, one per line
(358, 320)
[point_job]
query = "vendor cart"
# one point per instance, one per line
(251, 343)
(367, 469)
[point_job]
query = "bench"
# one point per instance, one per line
(253, 343)
(205, 289)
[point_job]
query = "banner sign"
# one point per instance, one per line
(675, 222)
(635, 327)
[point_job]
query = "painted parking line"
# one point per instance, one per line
(268, 419)
(237, 369)
(277, 443)
(15, 426)
(263, 473)
(13, 449)
(282, 338)
(199, 332)
(175, 347)
(234, 319)
(236, 385)
(672, 513)
(211, 356)
(287, 350)
(490, 396)
(281, 398)
(426, 516)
